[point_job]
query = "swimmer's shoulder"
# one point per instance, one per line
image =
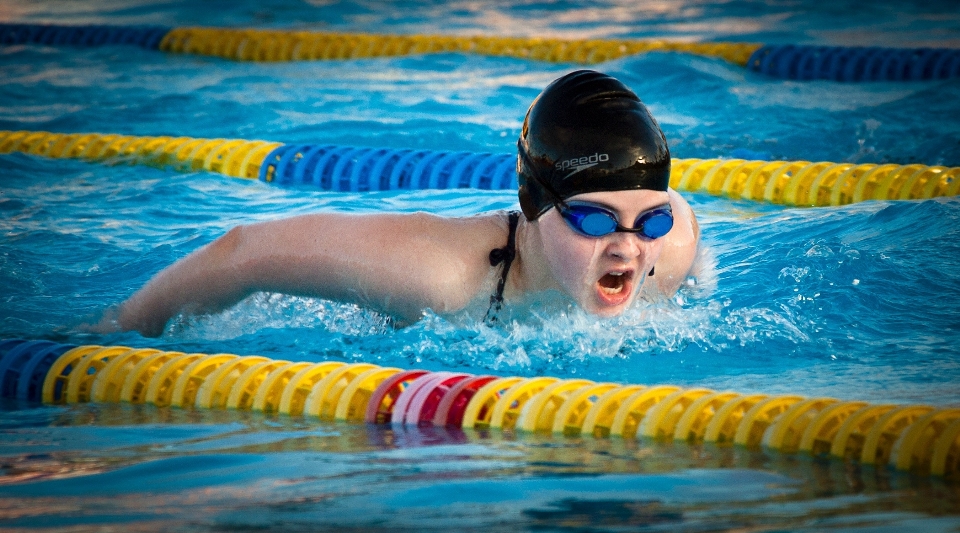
(455, 254)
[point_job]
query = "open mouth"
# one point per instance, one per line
(614, 287)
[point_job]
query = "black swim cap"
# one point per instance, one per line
(588, 132)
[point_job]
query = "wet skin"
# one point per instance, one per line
(403, 264)
(605, 274)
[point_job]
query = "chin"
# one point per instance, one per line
(605, 309)
(610, 311)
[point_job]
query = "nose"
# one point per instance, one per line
(626, 246)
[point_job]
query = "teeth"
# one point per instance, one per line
(614, 285)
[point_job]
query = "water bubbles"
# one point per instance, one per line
(517, 358)
(797, 273)
(819, 250)
(276, 311)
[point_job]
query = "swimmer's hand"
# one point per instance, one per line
(107, 324)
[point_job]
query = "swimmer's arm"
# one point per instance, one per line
(679, 248)
(397, 264)
(203, 281)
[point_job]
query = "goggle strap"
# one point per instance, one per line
(557, 201)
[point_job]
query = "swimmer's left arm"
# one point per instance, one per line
(679, 247)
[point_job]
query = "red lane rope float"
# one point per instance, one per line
(453, 405)
(423, 405)
(384, 397)
(916, 438)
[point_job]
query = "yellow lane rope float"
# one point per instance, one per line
(344, 168)
(240, 159)
(917, 438)
(279, 45)
(248, 44)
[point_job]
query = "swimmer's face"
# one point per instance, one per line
(603, 274)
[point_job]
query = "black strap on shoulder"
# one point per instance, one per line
(506, 256)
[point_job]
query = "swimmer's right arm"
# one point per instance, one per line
(397, 264)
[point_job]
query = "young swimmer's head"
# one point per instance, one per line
(590, 148)
(587, 132)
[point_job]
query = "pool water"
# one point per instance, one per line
(856, 302)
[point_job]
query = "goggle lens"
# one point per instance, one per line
(656, 224)
(597, 224)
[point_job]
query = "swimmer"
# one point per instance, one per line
(599, 228)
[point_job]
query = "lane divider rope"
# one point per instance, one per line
(855, 64)
(284, 45)
(89, 35)
(345, 168)
(274, 45)
(921, 439)
(801, 62)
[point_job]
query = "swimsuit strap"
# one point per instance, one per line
(506, 256)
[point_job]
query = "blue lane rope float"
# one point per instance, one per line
(343, 168)
(800, 62)
(143, 36)
(855, 64)
(24, 366)
(921, 439)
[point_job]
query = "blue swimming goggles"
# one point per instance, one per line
(595, 221)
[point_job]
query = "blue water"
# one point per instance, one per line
(854, 302)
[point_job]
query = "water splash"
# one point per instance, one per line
(567, 342)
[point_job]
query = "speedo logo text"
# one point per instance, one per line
(578, 164)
